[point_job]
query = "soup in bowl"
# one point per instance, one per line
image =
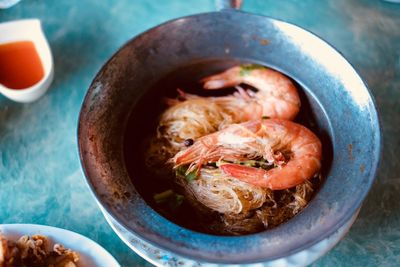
(123, 105)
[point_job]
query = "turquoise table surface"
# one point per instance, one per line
(41, 180)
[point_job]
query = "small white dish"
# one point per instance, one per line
(91, 254)
(28, 30)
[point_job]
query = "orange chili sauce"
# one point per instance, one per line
(20, 65)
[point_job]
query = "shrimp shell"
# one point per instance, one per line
(260, 138)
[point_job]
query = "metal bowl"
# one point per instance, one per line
(333, 93)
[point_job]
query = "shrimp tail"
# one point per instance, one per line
(218, 84)
(228, 78)
(170, 101)
(255, 176)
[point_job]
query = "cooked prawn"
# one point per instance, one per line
(277, 96)
(191, 116)
(270, 140)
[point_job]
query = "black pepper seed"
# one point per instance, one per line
(188, 142)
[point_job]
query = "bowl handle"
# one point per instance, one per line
(228, 4)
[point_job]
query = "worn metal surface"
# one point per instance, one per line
(332, 88)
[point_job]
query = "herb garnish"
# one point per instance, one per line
(261, 163)
(170, 198)
(248, 68)
(163, 196)
(181, 171)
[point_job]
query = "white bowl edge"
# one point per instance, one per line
(28, 30)
(91, 254)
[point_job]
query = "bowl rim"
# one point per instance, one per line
(323, 233)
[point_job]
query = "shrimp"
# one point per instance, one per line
(277, 96)
(192, 116)
(269, 139)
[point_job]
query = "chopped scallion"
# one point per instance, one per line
(182, 172)
(248, 68)
(170, 198)
(191, 176)
(164, 196)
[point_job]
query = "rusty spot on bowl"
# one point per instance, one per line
(362, 168)
(350, 151)
(264, 42)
